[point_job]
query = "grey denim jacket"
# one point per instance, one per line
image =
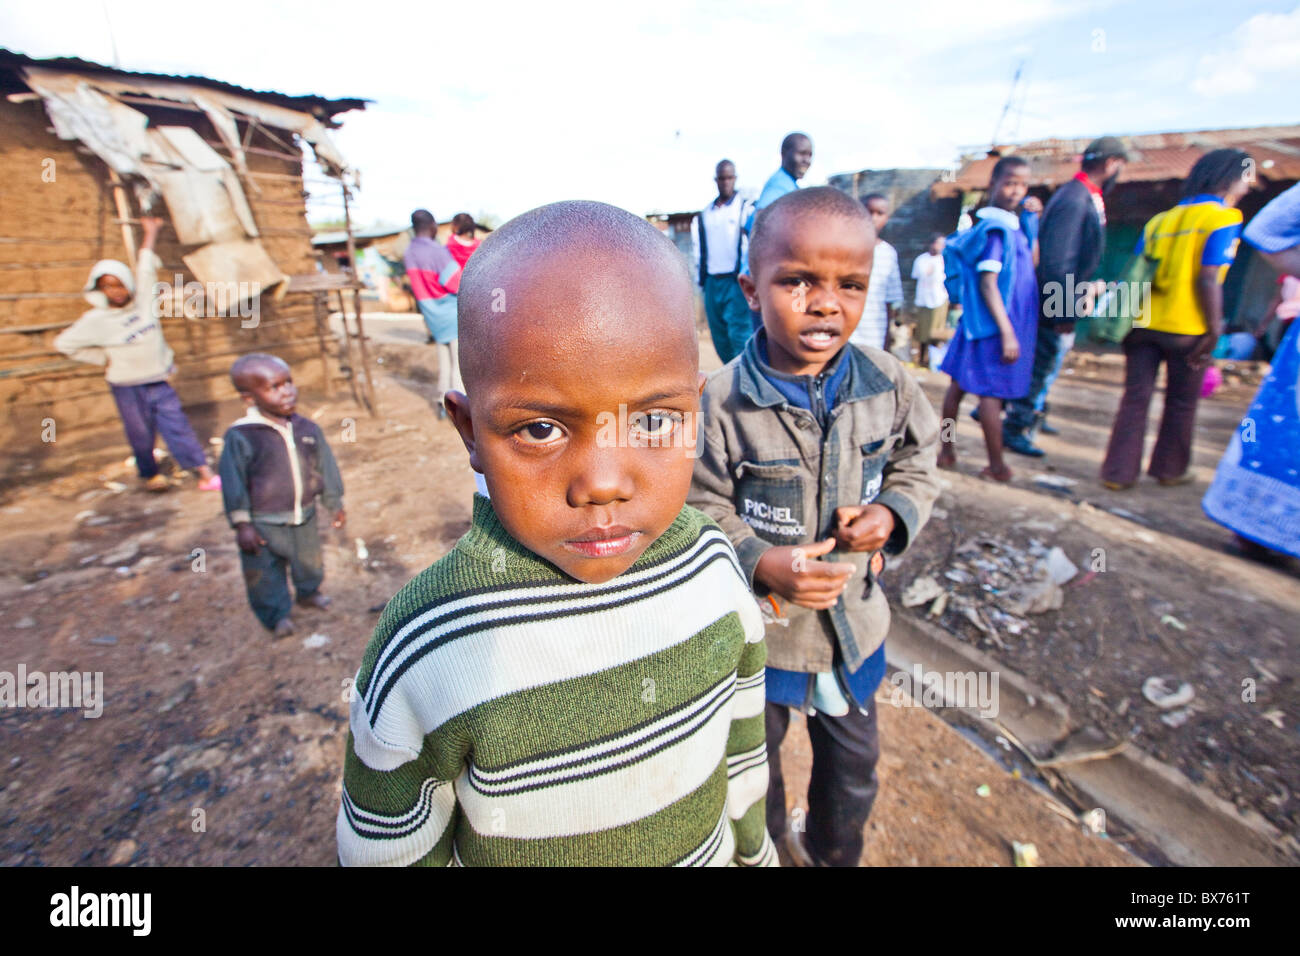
(769, 475)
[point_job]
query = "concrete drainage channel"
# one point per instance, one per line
(1185, 823)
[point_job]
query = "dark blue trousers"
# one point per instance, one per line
(728, 315)
(843, 784)
(149, 409)
(288, 546)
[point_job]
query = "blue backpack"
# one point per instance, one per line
(960, 257)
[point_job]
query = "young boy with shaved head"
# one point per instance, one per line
(817, 457)
(580, 680)
(273, 466)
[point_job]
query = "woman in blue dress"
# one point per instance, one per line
(1256, 489)
(992, 354)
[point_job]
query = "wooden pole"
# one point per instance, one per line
(123, 215)
(356, 301)
(347, 350)
(318, 300)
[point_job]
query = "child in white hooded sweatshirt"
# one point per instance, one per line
(123, 332)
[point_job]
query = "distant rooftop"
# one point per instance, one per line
(1152, 157)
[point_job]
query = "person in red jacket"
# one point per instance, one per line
(461, 243)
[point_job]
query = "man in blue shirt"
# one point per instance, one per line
(796, 157)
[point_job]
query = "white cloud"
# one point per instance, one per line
(1264, 49)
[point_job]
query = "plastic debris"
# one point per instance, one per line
(1173, 622)
(362, 552)
(1059, 567)
(1176, 718)
(940, 605)
(1095, 820)
(983, 790)
(316, 640)
(1162, 692)
(1035, 597)
(105, 640)
(920, 591)
(1211, 382)
(1275, 717)
(1026, 853)
(115, 486)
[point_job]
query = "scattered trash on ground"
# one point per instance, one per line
(1026, 853)
(1275, 717)
(921, 590)
(1095, 821)
(1166, 693)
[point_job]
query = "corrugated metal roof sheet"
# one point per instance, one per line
(320, 107)
(1152, 157)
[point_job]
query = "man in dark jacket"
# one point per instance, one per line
(1071, 241)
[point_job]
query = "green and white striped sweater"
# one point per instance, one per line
(505, 714)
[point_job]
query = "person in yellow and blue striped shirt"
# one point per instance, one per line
(1192, 244)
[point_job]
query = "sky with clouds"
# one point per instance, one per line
(498, 107)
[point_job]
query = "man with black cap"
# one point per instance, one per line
(1071, 240)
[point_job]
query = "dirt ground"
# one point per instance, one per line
(218, 747)
(1161, 591)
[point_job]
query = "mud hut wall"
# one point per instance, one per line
(58, 220)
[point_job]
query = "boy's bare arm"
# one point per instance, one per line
(147, 262)
(993, 299)
(150, 226)
(1209, 296)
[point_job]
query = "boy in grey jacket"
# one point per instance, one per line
(817, 458)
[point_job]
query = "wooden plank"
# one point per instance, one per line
(322, 282)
